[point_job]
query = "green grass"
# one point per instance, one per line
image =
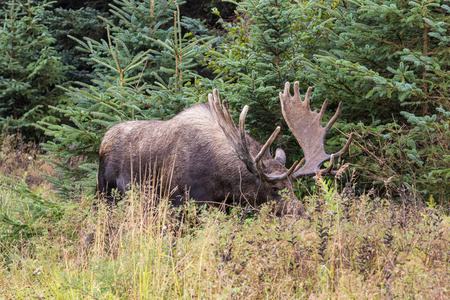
(354, 247)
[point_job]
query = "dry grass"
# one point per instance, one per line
(21, 160)
(347, 247)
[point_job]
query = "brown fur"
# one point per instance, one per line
(192, 149)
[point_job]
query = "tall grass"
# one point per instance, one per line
(346, 247)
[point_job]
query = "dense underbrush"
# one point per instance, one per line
(347, 246)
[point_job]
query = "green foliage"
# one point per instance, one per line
(143, 70)
(388, 62)
(384, 57)
(63, 23)
(31, 213)
(30, 65)
(414, 154)
(74, 145)
(254, 59)
(259, 54)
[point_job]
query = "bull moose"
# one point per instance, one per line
(200, 154)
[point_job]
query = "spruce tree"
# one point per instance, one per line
(262, 50)
(30, 66)
(142, 71)
(257, 56)
(384, 57)
(388, 62)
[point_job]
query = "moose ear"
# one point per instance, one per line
(280, 156)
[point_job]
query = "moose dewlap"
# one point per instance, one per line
(201, 154)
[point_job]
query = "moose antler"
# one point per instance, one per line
(306, 125)
(238, 138)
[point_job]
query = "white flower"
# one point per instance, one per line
(38, 271)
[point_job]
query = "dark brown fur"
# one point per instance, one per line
(189, 154)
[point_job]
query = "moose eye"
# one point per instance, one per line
(274, 190)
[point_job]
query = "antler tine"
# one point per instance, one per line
(335, 116)
(328, 126)
(322, 110)
(292, 169)
(267, 144)
(242, 125)
(214, 103)
(300, 164)
(286, 174)
(286, 90)
(307, 96)
(330, 166)
(346, 146)
(306, 125)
